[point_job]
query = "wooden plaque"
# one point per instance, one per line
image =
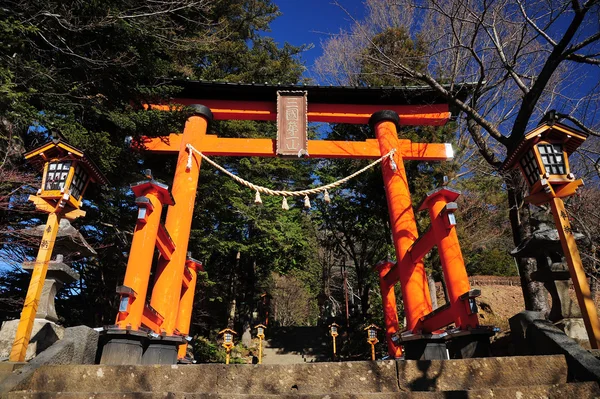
(292, 123)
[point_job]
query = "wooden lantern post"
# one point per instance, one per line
(333, 330)
(66, 175)
(372, 338)
(260, 333)
(227, 335)
(542, 155)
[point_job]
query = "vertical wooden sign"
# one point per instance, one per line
(292, 138)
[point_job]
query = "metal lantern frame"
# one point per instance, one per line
(372, 333)
(543, 158)
(67, 172)
(333, 329)
(260, 331)
(228, 335)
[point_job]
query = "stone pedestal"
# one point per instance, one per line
(58, 275)
(544, 245)
(574, 328)
(45, 330)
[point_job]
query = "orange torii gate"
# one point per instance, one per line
(150, 333)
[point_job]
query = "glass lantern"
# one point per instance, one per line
(372, 333)
(530, 167)
(228, 338)
(552, 158)
(80, 179)
(56, 178)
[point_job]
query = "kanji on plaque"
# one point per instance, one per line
(292, 139)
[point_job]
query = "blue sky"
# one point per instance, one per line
(310, 21)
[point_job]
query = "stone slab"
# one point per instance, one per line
(233, 379)
(535, 335)
(44, 334)
(465, 374)
(78, 346)
(558, 391)
(306, 379)
(85, 340)
(309, 378)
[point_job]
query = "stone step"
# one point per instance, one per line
(6, 368)
(581, 390)
(303, 379)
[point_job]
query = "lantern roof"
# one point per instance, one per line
(57, 148)
(260, 325)
(551, 130)
(227, 330)
(334, 325)
(371, 326)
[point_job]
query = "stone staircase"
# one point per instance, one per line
(294, 345)
(509, 377)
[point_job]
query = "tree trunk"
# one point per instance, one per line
(534, 294)
(232, 292)
(432, 292)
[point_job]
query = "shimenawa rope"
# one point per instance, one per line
(283, 193)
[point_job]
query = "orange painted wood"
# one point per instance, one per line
(440, 319)
(152, 320)
(415, 115)
(166, 293)
(390, 310)
(248, 147)
(139, 264)
(421, 248)
(413, 279)
(568, 189)
(187, 277)
(164, 243)
(186, 303)
(453, 265)
(577, 272)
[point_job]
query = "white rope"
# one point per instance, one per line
(284, 193)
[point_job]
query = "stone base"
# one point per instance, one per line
(161, 353)
(122, 351)
(575, 328)
(469, 346)
(43, 335)
(126, 347)
(425, 350)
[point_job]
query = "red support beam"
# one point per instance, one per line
(247, 147)
(411, 115)
(151, 319)
(164, 243)
(420, 248)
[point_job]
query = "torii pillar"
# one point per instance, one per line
(169, 275)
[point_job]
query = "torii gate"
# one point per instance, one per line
(157, 328)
